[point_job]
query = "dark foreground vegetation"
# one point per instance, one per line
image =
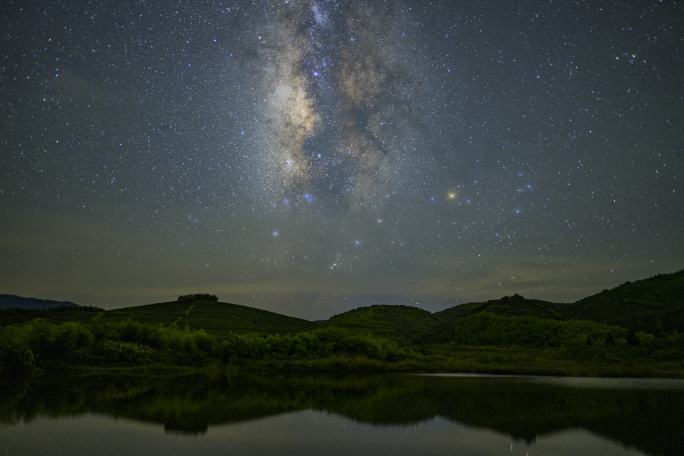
(512, 335)
(482, 343)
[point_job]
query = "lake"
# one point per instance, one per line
(236, 413)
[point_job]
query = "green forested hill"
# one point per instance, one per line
(400, 323)
(655, 304)
(510, 306)
(217, 318)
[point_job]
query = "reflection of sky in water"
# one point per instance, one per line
(300, 433)
(578, 382)
(612, 383)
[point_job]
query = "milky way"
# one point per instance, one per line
(311, 156)
(335, 123)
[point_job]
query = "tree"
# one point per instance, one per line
(197, 297)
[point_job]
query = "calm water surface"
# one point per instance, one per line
(372, 414)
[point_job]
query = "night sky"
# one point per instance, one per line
(309, 157)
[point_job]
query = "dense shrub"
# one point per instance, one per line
(41, 344)
(489, 329)
(128, 342)
(15, 360)
(316, 344)
(119, 352)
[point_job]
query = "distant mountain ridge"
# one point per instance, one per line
(8, 301)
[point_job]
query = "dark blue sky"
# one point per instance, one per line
(312, 156)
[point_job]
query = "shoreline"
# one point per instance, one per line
(297, 368)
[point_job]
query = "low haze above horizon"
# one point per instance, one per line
(312, 156)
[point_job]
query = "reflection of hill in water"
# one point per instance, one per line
(650, 420)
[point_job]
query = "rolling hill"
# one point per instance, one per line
(401, 323)
(653, 305)
(508, 306)
(217, 318)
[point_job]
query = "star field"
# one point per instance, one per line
(309, 156)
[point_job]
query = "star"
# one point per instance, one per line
(391, 139)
